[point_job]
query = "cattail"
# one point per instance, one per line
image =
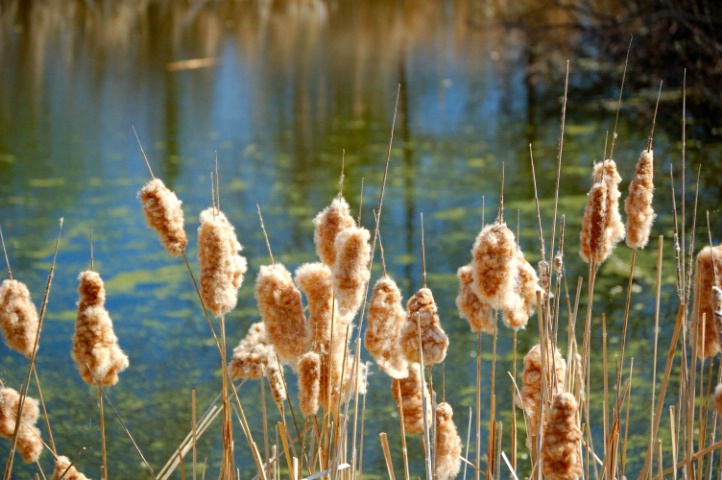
(385, 318)
(448, 444)
(531, 392)
(29, 444)
(717, 399)
(309, 383)
(315, 281)
(606, 172)
(251, 356)
(494, 265)
(163, 213)
(594, 246)
(328, 223)
(275, 381)
(423, 316)
(479, 314)
(560, 448)
(709, 262)
(526, 287)
(638, 205)
(351, 270)
(65, 471)
(280, 304)
(222, 268)
(409, 394)
(94, 342)
(18, 317)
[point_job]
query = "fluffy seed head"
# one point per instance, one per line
(251, 356)
(526, 286)
(494, 265)
(479, 314)
(385, 318)
(164, 214)
(9, 405)
(279, 302)
(594, 247)
(18, 317)
(351, 270)
(422, 315)
(222, 268)
(275, 381)
(309, 383)
(703, 319)
(560, 448)
(638, 205)
(315, 281)
(328, 223)
(30, 446)
(408, 393)
(61, 470)
(448, 443)
(94, 342)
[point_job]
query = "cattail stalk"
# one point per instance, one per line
(164, 215)
(422, 315)
(386, 316)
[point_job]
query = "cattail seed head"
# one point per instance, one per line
(62, 471)
(703, 319)
(275, 381)
(251, 356)
(18, 316)
(222, 268)
(526, 286)
(164, 214)
(279, 302)
(479, 314)
(385, 318)
(409, 394)
(594, 247)
(328, 223)
(638, 205)
(351, 270)
(494, 265)
(29, 444)
(562, 435)
(94, 342)
(422, 315)
(448, 444)
(309, 383)
(316, 282)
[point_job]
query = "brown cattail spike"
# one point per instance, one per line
(422, 315)
(385, 318)
(280, 304)
(606, 172)
(164, 214)
(703, 317)
(95, 345)
(252, 355)
(638, 205)
(479, 314)
(448, 444)
(222, 268)
(65, 471)
(309, 383)
(29, 444)
(408, 393)
(316, 282)
(18, 316)
(329, 222)
(561, 444)
(592, 240)
(494, 264)
(351, 270)
(526, 287)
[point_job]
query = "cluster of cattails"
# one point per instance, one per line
(65, 470)
(29, 444)
(704, 306)
(422, 335)
(561, 459)
(18, 316)
(222, 268)
(448, 444)
(602, 226)
(535, 368)
(95, 346)
(163, 213)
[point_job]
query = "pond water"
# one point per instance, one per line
(283, 92)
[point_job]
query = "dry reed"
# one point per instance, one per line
(280, 304)
(64, 470)
(409, 396)
(448, 444)
(18, 316)
(386, 316)
(222, 268)
(328, 223)
(423, 315)
(164, 214)
(95, 345)
(478, 313)
(29, 444)
(351, 270)
(494, 265)
(561, 459)
(638, 205)
(709, 260)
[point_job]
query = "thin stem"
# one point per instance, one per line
(501, 196)
(360, 201)
(654, 118)
(72, 462)
(103, 450)
(341, 177)
(265, 234)
(218, 187)
(559, 156)
(619, 103)
(538, 214)
(5, 251)
(45, 411)
(147, 163)
(423, 250)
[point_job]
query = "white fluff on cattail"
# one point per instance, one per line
(328, 223)
(64, 470)
(351, 270)
(409, 395)
(479, 314)
(494, 266)
(385, 318)
(29, 444)
(164, 215)
(638, 205)
(18, 316)
(448, 444)
(423, 320)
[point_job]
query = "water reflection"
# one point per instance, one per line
(290, 85)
